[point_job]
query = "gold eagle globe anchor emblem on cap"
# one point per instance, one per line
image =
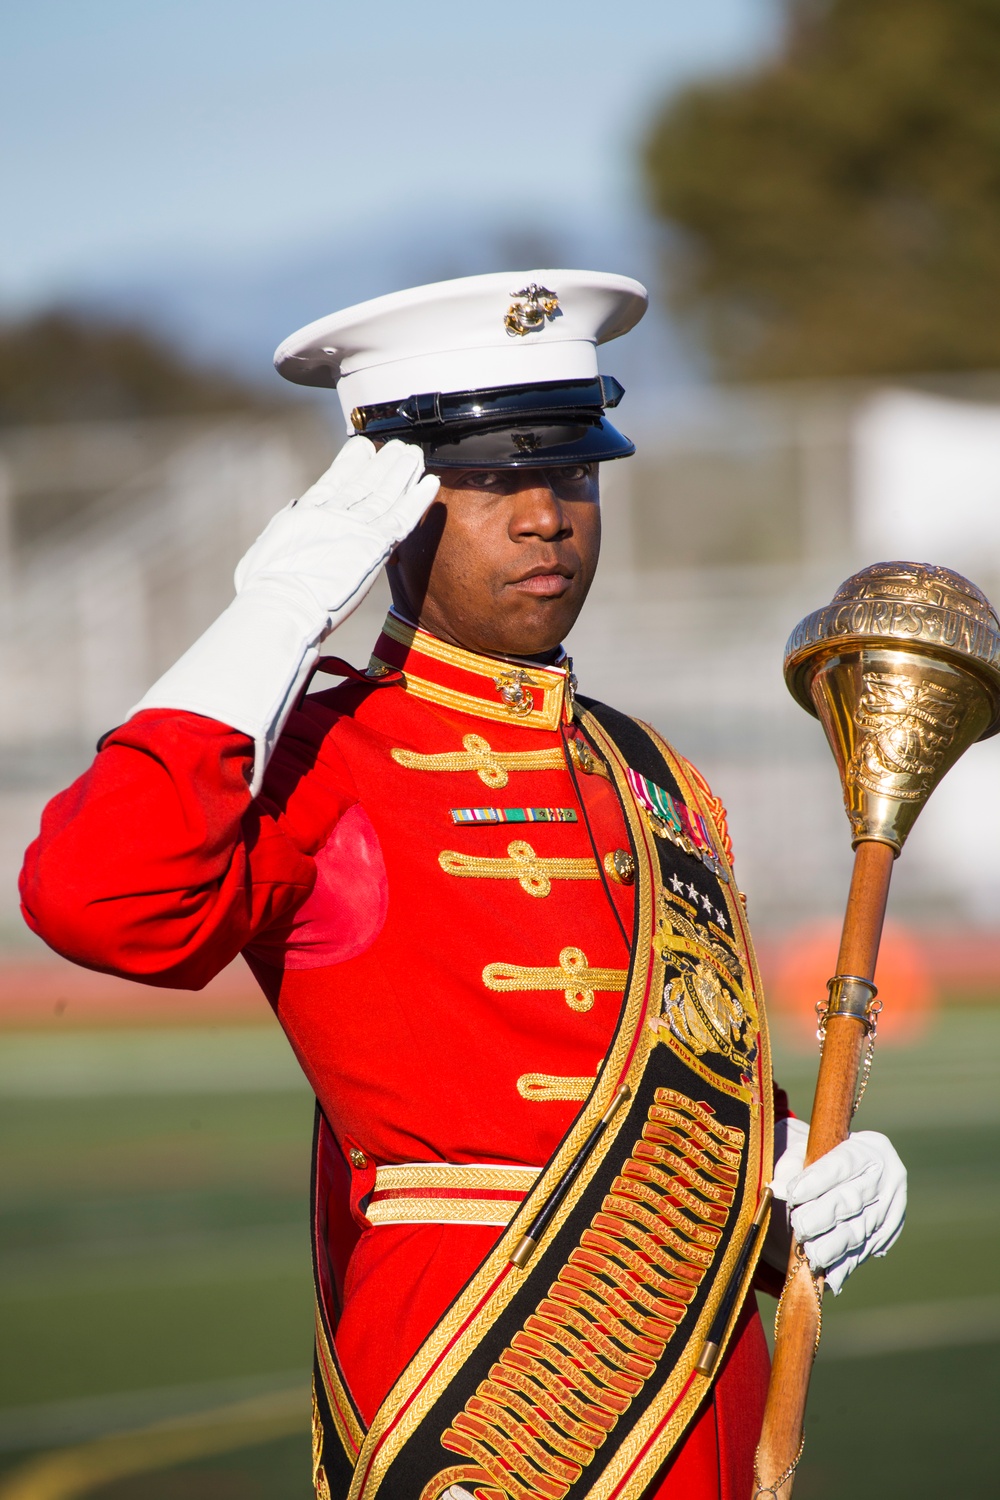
(529, 310)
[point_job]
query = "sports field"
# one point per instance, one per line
(155, 1297)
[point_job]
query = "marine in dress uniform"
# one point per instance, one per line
(499, 927)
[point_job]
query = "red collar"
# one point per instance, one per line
(488, 687)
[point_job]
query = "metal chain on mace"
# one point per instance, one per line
(903, 670)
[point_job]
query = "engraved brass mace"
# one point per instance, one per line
(903, 670)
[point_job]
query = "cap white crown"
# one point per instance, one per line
(508, 328)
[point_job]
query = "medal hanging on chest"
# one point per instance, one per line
(672, 819)
(707, 1010)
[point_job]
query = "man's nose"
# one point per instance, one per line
(537, 511)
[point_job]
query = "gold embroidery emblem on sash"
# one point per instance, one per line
(532, 873)
(705, 1004)
(491, 766)
(574, 977)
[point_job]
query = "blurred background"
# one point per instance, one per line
(811, 190)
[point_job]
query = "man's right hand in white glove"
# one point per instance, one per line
(306, 572)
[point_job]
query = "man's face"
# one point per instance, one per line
(503, 559)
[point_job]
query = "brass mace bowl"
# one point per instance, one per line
(903, 670)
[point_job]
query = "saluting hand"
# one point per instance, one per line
(325, 549)
(303, 575)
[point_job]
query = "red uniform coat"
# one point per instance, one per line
(341, 886)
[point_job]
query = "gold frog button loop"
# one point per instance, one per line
(491, 766)
(533, 872)
(574, 976)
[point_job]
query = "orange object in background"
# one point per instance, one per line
(797, 967)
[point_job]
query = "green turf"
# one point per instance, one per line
(160, 1240)
(919, 1423)
(152, 1242)
(272, 1471)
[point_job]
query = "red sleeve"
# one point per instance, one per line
(155, 864)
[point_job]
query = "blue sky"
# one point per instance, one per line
(140, 131)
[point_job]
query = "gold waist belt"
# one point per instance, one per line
(441, 1192)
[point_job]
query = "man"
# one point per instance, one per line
(497, 922)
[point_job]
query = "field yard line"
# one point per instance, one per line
(76, 1471)
(912, 1326)
(52, 1424)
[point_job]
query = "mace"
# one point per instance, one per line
(902, 668)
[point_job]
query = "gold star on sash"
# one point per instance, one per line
(532, 873)
(574, 977)
(491, 766)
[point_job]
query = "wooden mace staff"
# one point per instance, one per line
(903, 670)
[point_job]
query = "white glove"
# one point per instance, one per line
(849, 1204)
(306, 572)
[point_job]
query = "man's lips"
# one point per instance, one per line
(545, 582)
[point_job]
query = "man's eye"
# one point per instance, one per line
(571, 474)
(485, 479)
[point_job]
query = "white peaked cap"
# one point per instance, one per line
(510, 328)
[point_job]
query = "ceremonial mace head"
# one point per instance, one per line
(903, 669)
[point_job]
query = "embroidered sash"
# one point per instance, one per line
(576, 1376)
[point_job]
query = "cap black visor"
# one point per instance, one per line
(585, 441)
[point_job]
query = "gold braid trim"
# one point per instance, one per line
(541, 1088)
(504, 1466)
(624, 1219)
(320, 1482)
(504, 1376)
(528, 1340)
(491, 766)
(532, 873)
(661, 1132)
(508, 679)
(498, 1211)
(579, 1349)
(501, 1396)
(536, 1381)
(585, 1262)
(574, 976)
(557, 1391)
(447, 1174)
(683, 1172)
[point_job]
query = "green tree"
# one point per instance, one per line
(61, 366)
(837, 210)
